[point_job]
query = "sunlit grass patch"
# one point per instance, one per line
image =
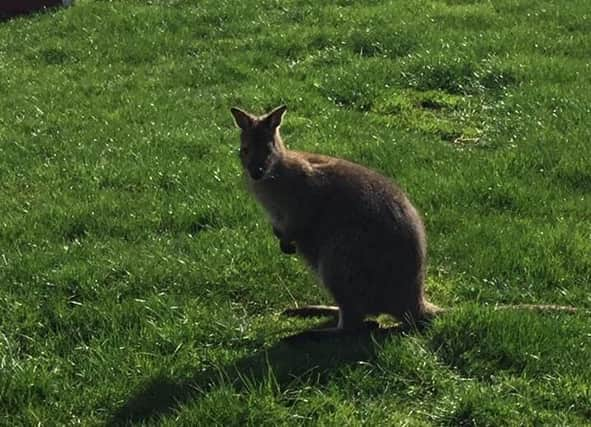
(141, 284)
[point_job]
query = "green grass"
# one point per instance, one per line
(140, 283)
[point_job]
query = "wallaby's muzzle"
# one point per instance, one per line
(257, 164)
(256, 173)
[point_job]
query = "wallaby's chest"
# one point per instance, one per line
(273, 205)
(287, 196)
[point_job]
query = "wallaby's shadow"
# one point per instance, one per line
(299, 356)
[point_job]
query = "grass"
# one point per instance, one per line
(140, 284)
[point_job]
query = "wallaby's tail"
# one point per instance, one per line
(430, 311)
(312, 311)
(537, 307)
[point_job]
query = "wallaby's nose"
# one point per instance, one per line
(256, 173)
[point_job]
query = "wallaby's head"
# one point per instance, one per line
(259, 140)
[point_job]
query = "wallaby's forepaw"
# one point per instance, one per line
(277, 233)
(287, 247)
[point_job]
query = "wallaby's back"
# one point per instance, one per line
(366, 240)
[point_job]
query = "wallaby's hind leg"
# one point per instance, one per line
(312, 311)
(350, 320)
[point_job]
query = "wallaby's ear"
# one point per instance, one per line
(274, 117)
(242, 118)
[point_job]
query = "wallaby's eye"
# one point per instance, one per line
(244, 150)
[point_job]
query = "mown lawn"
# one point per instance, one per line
(139, 283)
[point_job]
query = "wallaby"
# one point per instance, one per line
(355, 228)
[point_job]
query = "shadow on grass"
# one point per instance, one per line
(298, 357)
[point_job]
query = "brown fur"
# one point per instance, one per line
(356, 229)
